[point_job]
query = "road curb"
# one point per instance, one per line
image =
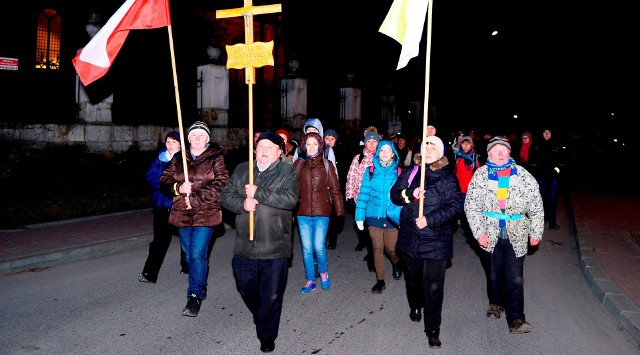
(625, 311)
(75, 253)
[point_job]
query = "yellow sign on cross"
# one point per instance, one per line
(253, 55)
(247, 12)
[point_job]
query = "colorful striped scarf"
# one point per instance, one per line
(501, 174)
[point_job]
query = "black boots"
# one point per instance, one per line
(415, 314)
(397, 271)
(378, 287)
(434, 338)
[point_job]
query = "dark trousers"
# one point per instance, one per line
(163, 232)
(336, 224)
(549, 193)
(505, 282)
(261, 284)
(424, 281)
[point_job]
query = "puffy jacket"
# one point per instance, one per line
(523, 198)
(442, 206)
(209, 175)
(159, 199)
(373, 198)
(277, 194)
(315, 187)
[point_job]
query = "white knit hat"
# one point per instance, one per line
(438, 143)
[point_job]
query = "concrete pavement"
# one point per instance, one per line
(605, 223)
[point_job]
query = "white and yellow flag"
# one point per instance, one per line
(404, 23)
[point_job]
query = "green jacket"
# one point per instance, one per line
(277, 194)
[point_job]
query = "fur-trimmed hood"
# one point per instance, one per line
(439, 164)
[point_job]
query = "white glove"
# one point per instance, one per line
(360, 225)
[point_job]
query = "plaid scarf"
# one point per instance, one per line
(501, 174)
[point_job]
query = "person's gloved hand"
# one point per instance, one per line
(351, 204)
(360, 225)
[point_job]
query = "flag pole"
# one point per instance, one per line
(426, 104)
(175, 88)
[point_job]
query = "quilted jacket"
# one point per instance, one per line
(442, 206)
(523, 197)
(209, 175)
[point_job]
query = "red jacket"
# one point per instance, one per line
(464, 172)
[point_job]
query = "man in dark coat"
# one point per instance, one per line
(260, 264)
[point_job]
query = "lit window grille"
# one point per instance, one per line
(48, 40)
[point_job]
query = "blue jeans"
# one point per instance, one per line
(506, 279)
(261, 283)
(313, 237)
(194, 241)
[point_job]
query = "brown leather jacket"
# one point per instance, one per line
(315, 188)
(209, 175)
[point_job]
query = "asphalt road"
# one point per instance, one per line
(97, 306)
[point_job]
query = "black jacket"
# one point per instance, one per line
(278, 195)
(442, 206)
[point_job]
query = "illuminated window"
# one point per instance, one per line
(48, 40)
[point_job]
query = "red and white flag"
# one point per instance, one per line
(95, 59)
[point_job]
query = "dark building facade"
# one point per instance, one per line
(39, 82)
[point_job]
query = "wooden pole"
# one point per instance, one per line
(175, 87)
(426, 104)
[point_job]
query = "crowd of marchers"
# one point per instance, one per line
(500, 190)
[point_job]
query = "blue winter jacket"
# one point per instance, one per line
(159, 200)
(373, 198)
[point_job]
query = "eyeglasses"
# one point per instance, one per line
(525, 137)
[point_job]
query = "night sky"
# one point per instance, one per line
(566, 65)
(548, 64)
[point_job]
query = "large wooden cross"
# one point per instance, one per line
(247, 11)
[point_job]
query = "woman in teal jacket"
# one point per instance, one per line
(372, 204)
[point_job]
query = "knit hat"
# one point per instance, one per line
(438, 143)
(498, 140)
(285, 132)
(173, 134)
(199, 126)
(526, 134)
(372, 135)
(467, 138)
(273, 137)
(331, 132)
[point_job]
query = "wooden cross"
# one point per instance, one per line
(247, 12)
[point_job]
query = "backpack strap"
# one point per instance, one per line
(413, 174)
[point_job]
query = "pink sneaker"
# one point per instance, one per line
(308, 287)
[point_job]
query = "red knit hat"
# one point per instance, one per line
(286, 134)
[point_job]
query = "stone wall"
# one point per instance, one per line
(107, 138)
